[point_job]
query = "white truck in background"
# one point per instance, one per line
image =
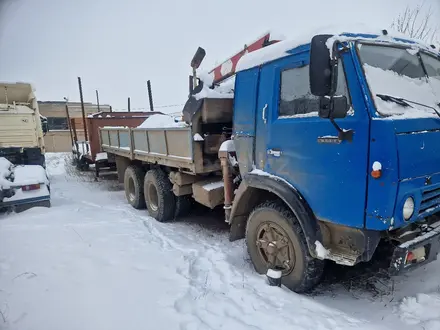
(23, 179)
(21, 126)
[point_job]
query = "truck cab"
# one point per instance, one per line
(342, 133)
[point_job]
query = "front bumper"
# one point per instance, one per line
(429, 241)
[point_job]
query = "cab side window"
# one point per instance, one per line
(296, 100)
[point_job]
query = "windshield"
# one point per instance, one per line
(432, 66)
(402, 73)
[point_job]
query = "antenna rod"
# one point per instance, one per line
(97, 100)
(83, 114)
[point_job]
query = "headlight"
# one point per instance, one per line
(408, 208)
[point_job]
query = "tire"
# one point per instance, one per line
(82, 165)
(159, 197)
(133, 186)
(96, 170)
(306, 271)
(183, 205)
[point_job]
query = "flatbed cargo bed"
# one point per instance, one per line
(173, 147)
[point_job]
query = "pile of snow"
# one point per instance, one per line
(390, 83)
(278, 178)
(20, 175)
(213, 185)
(5, 173)
(225, 90)
(197, 137)
(321, 251)
(161, 121)
(101, 156)
(29, 174)
(228, 146)
(422, 310)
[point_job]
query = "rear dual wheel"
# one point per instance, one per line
(133, 186)
(161, 202)
(159, 197)
(154, 192)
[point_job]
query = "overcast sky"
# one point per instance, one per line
(116, 46)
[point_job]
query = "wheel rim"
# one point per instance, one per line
(275, 247)
(131, 190)
(153, 198)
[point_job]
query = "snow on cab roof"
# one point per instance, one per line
(285, 47)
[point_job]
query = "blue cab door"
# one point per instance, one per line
(330, 176)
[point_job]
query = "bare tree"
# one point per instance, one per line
(417, 23)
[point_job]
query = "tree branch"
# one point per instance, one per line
(415, 24)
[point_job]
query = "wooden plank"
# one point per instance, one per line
(182, 190)
(182, 179)
(209, 192)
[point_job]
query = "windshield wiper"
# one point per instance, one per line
(405, 102)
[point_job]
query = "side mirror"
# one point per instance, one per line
(198, 58)
(339, 104)
(322, 73)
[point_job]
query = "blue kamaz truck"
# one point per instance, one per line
(324, 148)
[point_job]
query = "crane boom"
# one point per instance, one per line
(227, 68)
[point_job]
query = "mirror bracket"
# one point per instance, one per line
(343, 135)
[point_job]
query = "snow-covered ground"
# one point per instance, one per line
(93, 262)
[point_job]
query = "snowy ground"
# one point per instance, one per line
(93, 262)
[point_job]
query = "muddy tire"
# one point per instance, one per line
(183, 205)
(82, 165)
(159, 197)
(133, 186)
(275, 237)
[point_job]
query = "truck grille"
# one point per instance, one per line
(430, 201)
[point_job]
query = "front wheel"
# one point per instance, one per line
(275, 240)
